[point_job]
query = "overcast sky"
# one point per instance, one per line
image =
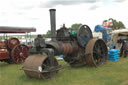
(35, 13)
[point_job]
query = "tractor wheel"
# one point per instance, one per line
(96, 52)
(19, 53)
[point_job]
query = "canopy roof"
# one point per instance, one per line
(8, 29)
(120, 31)
(117, 33)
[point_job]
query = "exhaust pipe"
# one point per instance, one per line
(53, 24)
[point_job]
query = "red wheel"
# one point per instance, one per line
(12, 42)
(19, 53)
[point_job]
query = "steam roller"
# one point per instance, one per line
(78, 48)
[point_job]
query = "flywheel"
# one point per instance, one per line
(84, 34)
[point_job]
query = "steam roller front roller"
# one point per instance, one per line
(96, 52)
(39, 66)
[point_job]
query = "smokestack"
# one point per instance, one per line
(53, 23)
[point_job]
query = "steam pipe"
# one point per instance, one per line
(53, 24)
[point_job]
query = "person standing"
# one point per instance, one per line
(124, 48)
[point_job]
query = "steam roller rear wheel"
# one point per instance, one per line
(38, 66)
(96, 52)
(19, 53)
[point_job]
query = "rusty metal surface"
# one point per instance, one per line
(93, 58)
(68, 48)
(38, 66)
(32, 64)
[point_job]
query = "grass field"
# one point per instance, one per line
(112, 73)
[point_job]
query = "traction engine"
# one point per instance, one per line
(11, 50)
(78, 49)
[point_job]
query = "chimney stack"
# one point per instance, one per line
(53, 24)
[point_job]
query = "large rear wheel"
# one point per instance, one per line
(19, 53)
(96, 52)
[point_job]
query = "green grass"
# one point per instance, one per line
(112, 73)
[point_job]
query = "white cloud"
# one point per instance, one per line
(29, 13)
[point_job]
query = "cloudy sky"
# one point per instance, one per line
(35, 13)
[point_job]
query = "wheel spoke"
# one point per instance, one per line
(99, 52)
(19, 53)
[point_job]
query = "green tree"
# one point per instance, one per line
(121, 25)
(115, 24)
(75, 27)
(48, 34)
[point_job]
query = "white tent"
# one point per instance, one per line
(120, 31)
(116, 33)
